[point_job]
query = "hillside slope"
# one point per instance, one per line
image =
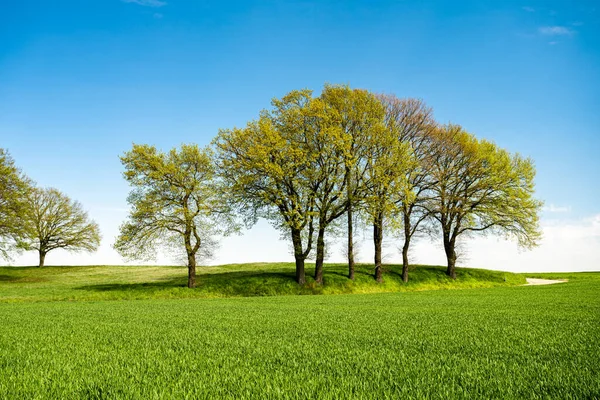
(237, 280)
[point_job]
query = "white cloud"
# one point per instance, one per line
(556, 31)
(551, 208)
(566, 246)
(147, 3)
(528, 9)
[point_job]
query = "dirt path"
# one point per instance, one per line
(535, 281)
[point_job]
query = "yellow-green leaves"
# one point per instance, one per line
(175, 203)
(14, 186)
(480, 187)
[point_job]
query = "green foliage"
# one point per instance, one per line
(14, 186)
(266, 167)
(51, 220)
(481, 186)
(505, 342)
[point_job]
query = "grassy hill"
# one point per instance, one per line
(263, 279)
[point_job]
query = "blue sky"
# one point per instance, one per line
(81, 81)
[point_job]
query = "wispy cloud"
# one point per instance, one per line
(551, 207)
(556, 31)
(528, 9)
(158, 15)
(147, 3)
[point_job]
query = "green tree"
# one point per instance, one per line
(269, 170)
(174, 202)
(413, 123)
(14, 186)
(386, 177)
(51, 220)
(481, 188)
(327, 174)
(358, 115)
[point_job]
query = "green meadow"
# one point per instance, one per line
(137, 333)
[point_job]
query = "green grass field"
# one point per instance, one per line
(504, 341)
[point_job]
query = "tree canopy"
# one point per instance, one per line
(51, 220)
(14, 186)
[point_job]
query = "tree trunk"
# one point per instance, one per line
(191, 271)
(320, 256)
(405, 260)
(405, 247)
(42, 258)
(378, 240)
(449, 248)
(350, 244)
(299, 256)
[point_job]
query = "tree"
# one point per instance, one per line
(358, 115)
(174, 201)
(412, 121)
(326, 142)
(268, 170)
(387, 164)
(14, 186)
(51, 220)
(480, 188)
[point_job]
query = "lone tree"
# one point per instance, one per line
(269, 171)
(14, 186)
(174, 200)
(51, 220)
(480, 188)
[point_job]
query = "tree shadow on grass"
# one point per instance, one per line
(9, 278)
(247, 283)
(226, 284)
(22, 279)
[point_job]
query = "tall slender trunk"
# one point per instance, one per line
(405, 247)
(350, 244)
(320, 256)
(299, 256)
(191, 270)
(350, 223)
(449, 248)
(378, 240)
(405, 264)
(42, 258)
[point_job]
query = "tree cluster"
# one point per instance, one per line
(313, 159)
